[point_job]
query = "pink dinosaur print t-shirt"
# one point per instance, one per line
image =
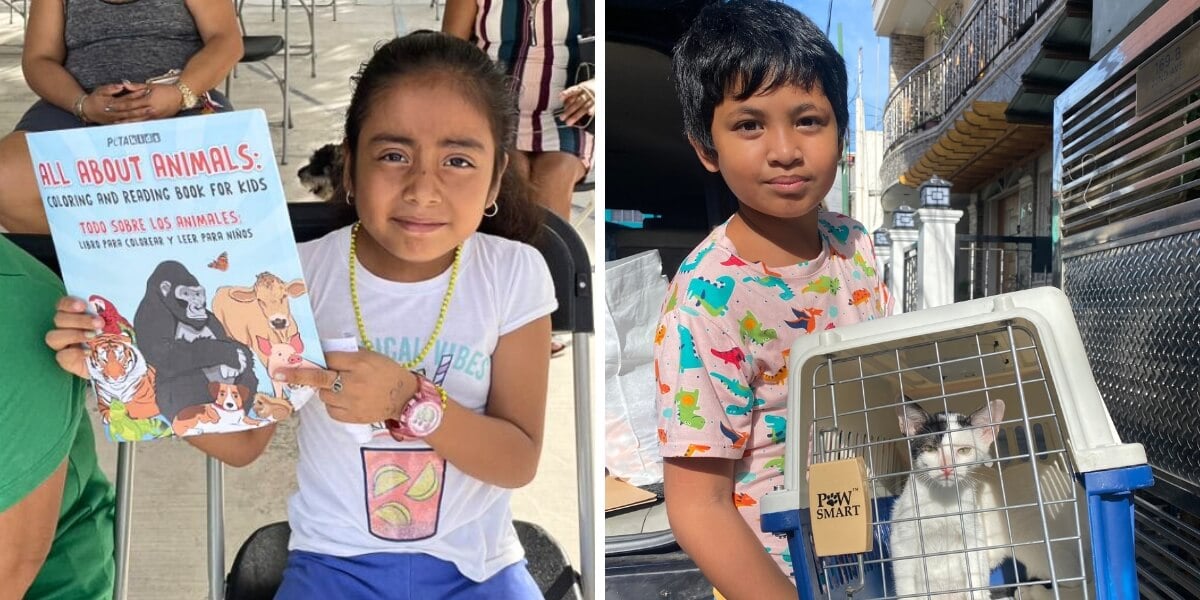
(722, 343)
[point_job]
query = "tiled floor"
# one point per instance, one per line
(169, 535)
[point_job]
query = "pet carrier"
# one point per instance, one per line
(986, 407)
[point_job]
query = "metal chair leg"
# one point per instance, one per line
(216, 530)
(121, 524)
(580, 351)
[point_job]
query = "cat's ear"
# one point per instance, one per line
(912, 417)
(990, 414)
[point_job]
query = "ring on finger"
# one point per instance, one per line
(336, 386)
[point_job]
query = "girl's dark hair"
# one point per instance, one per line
(483, 82)
(742, 47)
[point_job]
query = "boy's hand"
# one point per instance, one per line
(73, 328)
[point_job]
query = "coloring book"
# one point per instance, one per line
(176, 233)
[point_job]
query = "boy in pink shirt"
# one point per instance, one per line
(764, 102)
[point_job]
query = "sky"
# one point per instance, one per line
(856, 18)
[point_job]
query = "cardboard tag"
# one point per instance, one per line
(839, 508)
(619, 495)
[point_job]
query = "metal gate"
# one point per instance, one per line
(910, 280)
(1127, 176)
(997, 264)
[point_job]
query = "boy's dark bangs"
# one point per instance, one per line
(760, 71)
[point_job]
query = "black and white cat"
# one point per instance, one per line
(952, 513)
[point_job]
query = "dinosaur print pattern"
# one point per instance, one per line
(685, 406)
(733, 356)
(861, 263)
(713, 297)
(753, 331)
(839, 232)
(690, 265)
(722, 343)
(687, 351)
(771, 281)
(806, 319)
(824, 285)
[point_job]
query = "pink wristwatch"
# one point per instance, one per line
(422, 414)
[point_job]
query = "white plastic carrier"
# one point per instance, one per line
(1057, 455)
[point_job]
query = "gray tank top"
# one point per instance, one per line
(110, 42)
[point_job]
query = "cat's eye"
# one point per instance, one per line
(964, 451)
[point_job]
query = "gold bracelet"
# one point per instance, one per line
(79, 109)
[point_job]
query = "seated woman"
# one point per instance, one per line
(91, 61)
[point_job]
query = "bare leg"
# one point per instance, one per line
(553, 176)
(20, 203)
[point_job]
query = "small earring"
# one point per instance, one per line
(350, 198)
(495, 208)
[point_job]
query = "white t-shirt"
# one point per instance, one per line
(383, 495)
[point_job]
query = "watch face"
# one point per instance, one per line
(425, 417)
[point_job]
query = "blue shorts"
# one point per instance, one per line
(396, 576)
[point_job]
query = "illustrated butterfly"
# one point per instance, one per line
(222, 262)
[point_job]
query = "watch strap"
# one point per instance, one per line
(188, 99)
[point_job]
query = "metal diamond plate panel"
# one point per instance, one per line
(1138, 309)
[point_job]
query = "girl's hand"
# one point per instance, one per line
(146, 102)
(579, 103)
(73, 327)
(373, 387)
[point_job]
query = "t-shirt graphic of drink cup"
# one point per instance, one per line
(404, 485)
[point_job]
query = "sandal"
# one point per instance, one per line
(559, 345)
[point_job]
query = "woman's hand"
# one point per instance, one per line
(373, 387)
(73, 327)
(145, 102)
(579, 103)
(106, 95)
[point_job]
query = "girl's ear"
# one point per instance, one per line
(501, 167)
(709, 160)
(497, 178)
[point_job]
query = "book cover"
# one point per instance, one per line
(176, 233)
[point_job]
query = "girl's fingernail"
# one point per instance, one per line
(90, 335)
(279, 377)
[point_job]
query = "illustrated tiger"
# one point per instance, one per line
(120, 372)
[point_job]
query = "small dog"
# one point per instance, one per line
(323, 173)
(226, 412)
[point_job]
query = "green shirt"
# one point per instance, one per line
(43, 421)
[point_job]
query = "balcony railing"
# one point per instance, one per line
(927, 92)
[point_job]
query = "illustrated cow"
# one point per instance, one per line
(259, 311)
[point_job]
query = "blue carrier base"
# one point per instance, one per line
(1110, 507)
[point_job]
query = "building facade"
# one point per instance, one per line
(974, 83)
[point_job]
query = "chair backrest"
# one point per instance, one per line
(548, 563)
(258, 567)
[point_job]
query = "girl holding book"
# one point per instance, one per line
(451, 313)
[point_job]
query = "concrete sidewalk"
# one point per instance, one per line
(168, 558)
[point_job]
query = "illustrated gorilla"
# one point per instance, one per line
(185, 343)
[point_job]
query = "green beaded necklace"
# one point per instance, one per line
(441, 320)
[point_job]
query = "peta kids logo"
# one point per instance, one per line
(836, 505)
